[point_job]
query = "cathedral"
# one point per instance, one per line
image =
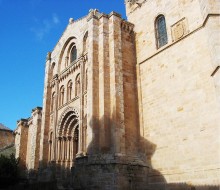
(130, 104)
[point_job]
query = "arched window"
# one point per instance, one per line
(77, 85)
(73, 54)
(61, 99)
(85, 43)
(69, 90)
(161, 31)
(52, 101)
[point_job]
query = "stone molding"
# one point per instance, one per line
(74, 66)
(64, 114)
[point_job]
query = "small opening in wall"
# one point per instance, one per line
(215, 71)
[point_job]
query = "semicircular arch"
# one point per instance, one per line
(65, 45)
(65, 116)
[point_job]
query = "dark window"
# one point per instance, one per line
(61, 101)
(69, 90)
(161, 32)
(77, 85)
(73, 54)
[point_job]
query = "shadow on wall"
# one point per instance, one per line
(102, 169)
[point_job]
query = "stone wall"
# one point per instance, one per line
(21, 139)
(33, 143)
(178, 96)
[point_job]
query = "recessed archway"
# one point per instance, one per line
(68, 137)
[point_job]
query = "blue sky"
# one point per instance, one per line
(28, 30)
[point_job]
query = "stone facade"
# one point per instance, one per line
(132, 105)
(178, 95)
(27, 140)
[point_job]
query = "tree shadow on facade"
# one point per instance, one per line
(103, 168)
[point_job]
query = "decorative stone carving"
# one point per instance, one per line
(179, 29)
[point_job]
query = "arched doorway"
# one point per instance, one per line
(68, 138)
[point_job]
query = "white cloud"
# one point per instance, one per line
(43, 28)
(55, 19)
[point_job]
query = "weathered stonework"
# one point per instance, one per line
(27, 140)
(121, 113)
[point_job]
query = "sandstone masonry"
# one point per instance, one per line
(131, 104)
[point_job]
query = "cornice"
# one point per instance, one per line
(127, 26)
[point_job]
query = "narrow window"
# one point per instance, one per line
(73, 54)
(85, 43)
(61, 99)
(69, 90)
(77, 85)
(161, 32)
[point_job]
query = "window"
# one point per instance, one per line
(161, 32)
(69, 90)
(52, 101)
(85, 43)
(73, 54)
(77, 85)
(61, 100)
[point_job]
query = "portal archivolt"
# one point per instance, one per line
(67, 141)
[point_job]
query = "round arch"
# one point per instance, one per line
(68, 133)
(68, 114)
(65, 45)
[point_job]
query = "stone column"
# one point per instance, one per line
(93, 86)
(80, 144)
(69, 148)
(62, 149)
(116, 85)
(65, 148)
(59, 149)
(49, 155)
(55, 117)
(104, 83)
(43, 157)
